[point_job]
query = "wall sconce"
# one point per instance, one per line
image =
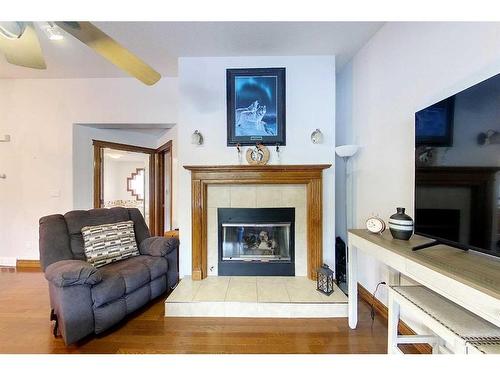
(491, 137)
(197, 138)
(6, 138)
(317, 136)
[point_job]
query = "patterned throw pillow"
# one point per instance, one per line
(109, 243)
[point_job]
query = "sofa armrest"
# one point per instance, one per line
(72, 272)
(158, 246)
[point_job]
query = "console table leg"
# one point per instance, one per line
(353, 285)
(392, 323)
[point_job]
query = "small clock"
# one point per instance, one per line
(375, 225)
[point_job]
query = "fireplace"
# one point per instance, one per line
(205, 176)
(256, 241)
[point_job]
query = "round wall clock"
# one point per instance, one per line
(258, 155)
(375, 225)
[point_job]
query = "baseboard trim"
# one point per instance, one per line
(381, 309)
(32, 264)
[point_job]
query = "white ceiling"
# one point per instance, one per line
(119, 156)
(161, 43)
(157, 129)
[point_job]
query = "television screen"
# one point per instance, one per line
(457, 169)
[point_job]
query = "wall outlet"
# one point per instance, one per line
(55, 193)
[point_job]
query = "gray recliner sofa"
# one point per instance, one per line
(85, 299)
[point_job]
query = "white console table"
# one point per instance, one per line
(470, 279)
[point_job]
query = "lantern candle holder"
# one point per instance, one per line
(325, 280)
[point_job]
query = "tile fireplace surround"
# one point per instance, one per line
(257, 196)
(248, 179)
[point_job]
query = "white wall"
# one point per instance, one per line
(343, 135)
(310, 104)
(116, 179)
(403, 68)
(39, 115)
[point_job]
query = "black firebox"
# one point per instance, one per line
(256, 241)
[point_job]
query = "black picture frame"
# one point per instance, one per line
(434, 124)
(256, 106)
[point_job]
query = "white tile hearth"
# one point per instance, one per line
(257, 297)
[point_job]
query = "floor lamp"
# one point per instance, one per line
(346, 152)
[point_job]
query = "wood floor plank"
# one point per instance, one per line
(25, 328)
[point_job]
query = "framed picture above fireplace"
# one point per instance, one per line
(256, 106)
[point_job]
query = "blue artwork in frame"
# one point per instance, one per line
(434, 124)
(256, 106)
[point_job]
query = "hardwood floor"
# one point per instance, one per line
(25, 328)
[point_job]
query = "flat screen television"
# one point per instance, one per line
(457, 169)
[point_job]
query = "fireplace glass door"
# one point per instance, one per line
(256, 241)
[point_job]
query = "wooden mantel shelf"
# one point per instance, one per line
(203, 175)
(274, 167)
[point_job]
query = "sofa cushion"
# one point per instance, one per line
(108, 243)
(126, 276)
(111, 287)
(157, 265)
(72, 272)
(134, 273)
(110, 314)
(76, 220)
(54, 244)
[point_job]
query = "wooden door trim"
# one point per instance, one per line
(97, 176)
(98, 170)
(160, 187)
(156, 179)
(122, 146)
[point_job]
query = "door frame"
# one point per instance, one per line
(160, 153)
(156, 179)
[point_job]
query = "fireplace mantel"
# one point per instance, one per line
(202, 176)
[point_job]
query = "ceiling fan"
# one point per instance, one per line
(20, 45)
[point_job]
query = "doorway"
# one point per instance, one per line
(135, 177)
(164, 207)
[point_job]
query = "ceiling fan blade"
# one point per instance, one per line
(25, 50)
(111, 50)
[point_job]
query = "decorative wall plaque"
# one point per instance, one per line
(258, 155)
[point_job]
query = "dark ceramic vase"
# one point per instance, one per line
(401, 225)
